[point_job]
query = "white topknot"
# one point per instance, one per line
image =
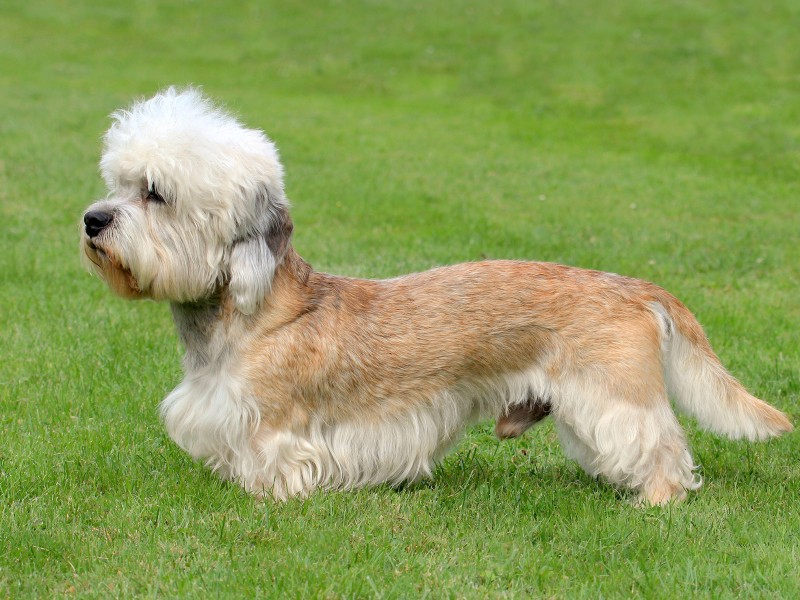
(195, 152)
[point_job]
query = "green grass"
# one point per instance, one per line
(659, 140)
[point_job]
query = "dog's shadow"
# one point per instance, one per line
(531, 470)
(527, 473)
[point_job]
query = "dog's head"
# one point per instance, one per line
(195, 203)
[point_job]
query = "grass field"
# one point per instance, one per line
(658, 140)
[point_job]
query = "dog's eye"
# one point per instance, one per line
(154, 196)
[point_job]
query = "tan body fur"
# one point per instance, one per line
(368, 349)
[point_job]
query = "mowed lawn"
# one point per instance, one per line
(658, 140)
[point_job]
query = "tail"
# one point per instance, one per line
(699, 384)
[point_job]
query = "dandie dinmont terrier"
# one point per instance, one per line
(297, 380)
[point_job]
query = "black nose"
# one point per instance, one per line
(96, 221)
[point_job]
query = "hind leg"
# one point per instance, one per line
(637, 446)
(576, 450)
(665, 470)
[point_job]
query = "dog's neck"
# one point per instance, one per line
(198, 325)
(211, 328)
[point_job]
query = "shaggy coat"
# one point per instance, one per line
(297, 380)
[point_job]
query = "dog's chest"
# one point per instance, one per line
(210, 417)
(209, 414)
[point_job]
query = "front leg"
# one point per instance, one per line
(285, 465)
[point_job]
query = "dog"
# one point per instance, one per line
(297, 380)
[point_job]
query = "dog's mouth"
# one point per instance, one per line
(115, 272)
(98, 252)
(98, 256)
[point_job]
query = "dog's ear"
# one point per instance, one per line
(253, 260)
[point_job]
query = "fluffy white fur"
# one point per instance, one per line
(173, 141)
